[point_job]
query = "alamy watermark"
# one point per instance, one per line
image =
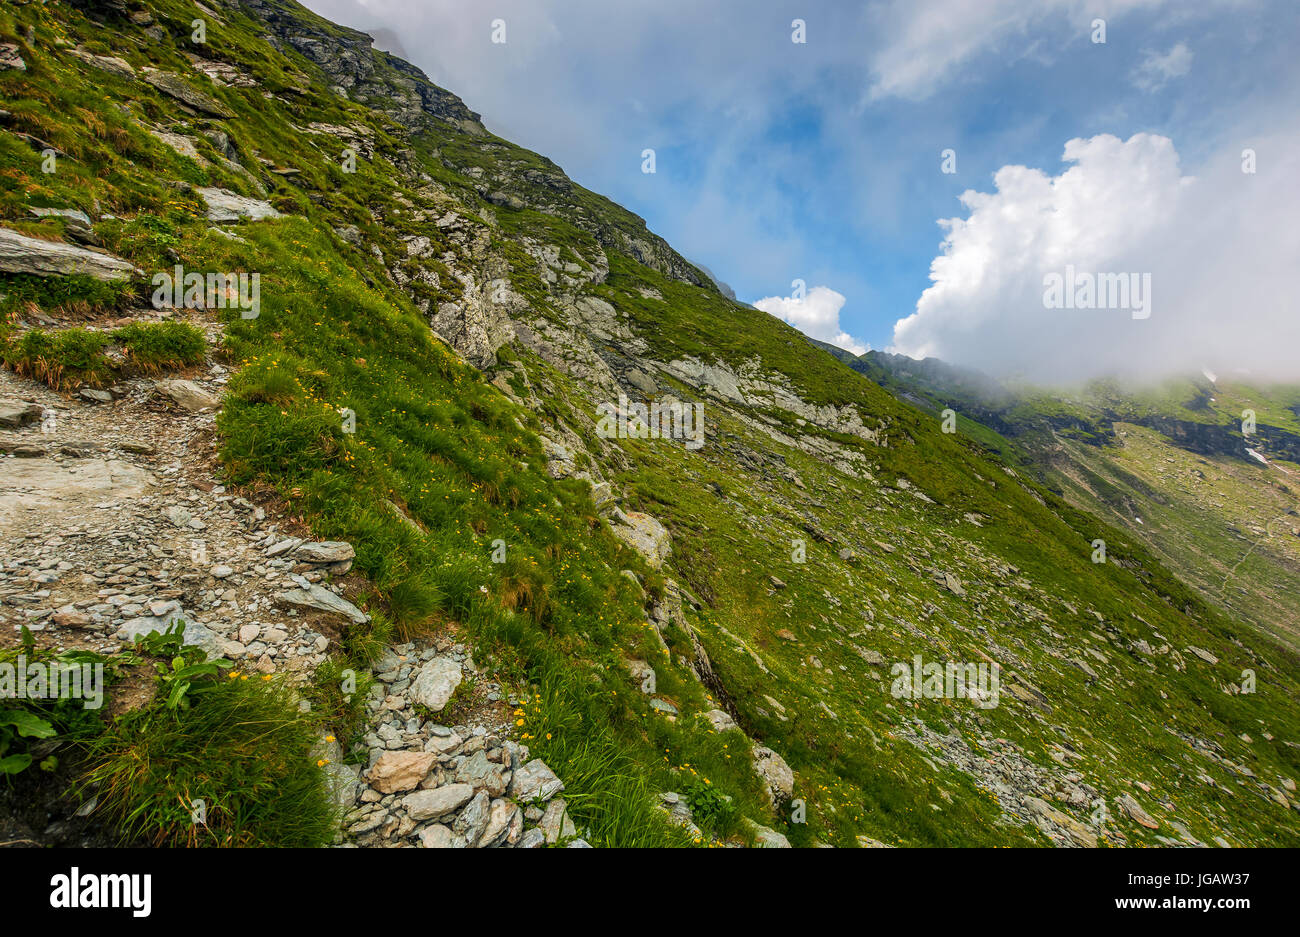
(181, 290)
(52, 681)
(672, 420)
(1077, 290)
(977, 682)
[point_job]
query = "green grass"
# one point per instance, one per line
(70, 358)
(241, 758)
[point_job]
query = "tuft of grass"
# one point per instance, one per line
(154, 347)
(63, 359)
(236, 768)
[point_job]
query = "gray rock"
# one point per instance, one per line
(189, 395)
(225, 207)
(437, 802)
(500, 819)
(330, 551)
(438, 836)
(435, 682)
(532, 839)
(16, 413)
(176, 87)
(22, 254)
(776, 774)
(474, 818)
(535, 781)
(10, 59)
(555, 822)
(323, 600)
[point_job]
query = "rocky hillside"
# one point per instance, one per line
(486, 600)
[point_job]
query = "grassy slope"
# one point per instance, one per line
(433, 437)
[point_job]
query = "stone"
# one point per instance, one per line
(1134, 811)
(107, 63)
(400, 771)
(535, 781)
(644, 534)
(189, 395)
(435, 682)
(22, 254)
(323, 600)
(17, 413)
(77, 223)
(437, 802)
(720, 720)
(776, 774)
(532, 839)
(765, 837)
(225, 207)
(10, 59)
(500, 818)
(438, 836)
(194, 635)
(555, 822)
(474, 818)
(330, 551)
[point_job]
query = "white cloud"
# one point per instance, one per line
(1221, 248)
(816, 315)
(1156, 70)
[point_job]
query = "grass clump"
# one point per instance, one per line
(64, 359)
(154, 347)
(215, 761)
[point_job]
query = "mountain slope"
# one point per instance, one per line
(1171, 465)
(723, 618)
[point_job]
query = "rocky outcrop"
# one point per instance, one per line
(22, 254)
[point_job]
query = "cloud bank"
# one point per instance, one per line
(1222, 251)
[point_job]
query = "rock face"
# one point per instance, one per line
(175, 86)
(22, 254)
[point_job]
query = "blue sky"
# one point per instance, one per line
(820, 161)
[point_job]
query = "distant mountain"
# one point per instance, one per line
(1226, 517)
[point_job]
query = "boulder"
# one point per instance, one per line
(644, 534)
(190, 395)
(435, 682)
(225, 207)
(176, 87)
(329, 551)
(535, 781)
